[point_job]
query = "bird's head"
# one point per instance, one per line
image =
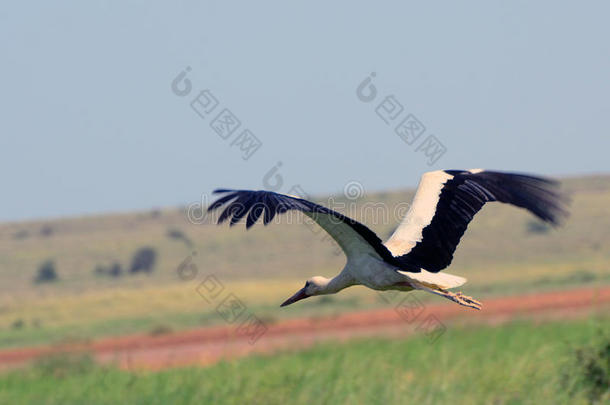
(313, 286)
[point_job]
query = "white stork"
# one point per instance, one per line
(424, 242)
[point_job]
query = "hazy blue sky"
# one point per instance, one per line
(90, 123)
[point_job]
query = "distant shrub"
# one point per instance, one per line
(160, 330)
(538, 227)
(115, 270)
(590, 370)
(21, 234)
(177, 234)
(47, 230)
(18, 324)
(46, 273)
(112, 270)
(580, 276)
(143, 260)
(174, 233)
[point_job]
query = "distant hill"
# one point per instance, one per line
(501, 239)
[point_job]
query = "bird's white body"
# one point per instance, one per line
(373, 273)
(376, 274)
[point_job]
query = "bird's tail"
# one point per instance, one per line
(442, 280)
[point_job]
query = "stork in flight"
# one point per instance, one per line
(424, 242)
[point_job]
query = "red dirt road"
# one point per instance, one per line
(208, 345)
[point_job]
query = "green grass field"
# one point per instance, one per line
(517, 363)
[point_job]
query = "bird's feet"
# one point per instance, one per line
(464, 300)
(455, 297)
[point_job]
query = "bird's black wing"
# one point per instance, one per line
(446, 201)
(353, 237)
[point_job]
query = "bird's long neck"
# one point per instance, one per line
(337, 283)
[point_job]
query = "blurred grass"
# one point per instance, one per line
(264, 266)
(518, 363)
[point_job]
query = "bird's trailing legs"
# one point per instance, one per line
(455, 297)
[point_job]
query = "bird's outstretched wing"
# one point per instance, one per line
(353, 237)
(447, 200)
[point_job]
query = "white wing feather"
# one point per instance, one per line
(420, 214)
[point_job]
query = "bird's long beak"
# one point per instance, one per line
(296, 297)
